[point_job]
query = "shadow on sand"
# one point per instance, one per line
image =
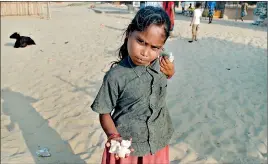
(9, 44)
(35, 130)
(86, 89)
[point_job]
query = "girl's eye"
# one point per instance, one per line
(155, 48)
(140, 41)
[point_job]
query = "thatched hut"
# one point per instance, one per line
(25, 9)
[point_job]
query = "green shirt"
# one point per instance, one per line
(135, 95)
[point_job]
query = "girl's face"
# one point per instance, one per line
(147, 43)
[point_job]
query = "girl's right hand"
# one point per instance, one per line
(118, 138)
(167, 67)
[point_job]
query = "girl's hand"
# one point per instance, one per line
(167, 67)
(118, 138)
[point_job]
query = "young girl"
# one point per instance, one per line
(131, 101)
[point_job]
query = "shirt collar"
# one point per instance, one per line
(155, 66)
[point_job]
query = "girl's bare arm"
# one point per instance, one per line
(107, 124)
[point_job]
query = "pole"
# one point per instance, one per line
(48, 12)
(28, 8)
(236, 14)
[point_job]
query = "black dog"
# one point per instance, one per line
(21, 41)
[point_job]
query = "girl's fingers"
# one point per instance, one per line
(127, 155)
(165, 62)
(161, 62)
(168, 61)
(167, 65)
(116, 157)
(108, 144)
(162, 69)
(131, 150)
(119, 139)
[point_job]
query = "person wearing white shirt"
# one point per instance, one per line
(183, 6)
(196, 21)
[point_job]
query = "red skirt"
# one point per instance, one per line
(160, 157)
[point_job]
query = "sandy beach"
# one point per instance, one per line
(217, 98)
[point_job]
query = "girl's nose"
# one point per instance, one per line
(145, 51)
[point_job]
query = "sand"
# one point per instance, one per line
(217, 98)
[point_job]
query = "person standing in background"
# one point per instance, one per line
(142, 4)
(197, 14)
(244, 9)
(190, 7)
(176, 4)
(211, 9)
(168, 6)
(183, 6)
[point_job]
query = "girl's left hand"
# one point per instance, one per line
(167, 67)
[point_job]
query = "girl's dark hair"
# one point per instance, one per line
(143, 19)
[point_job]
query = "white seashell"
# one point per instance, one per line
(125, 143)
(115, 145)
(120, 149)
(169, 54)
(171, 57)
